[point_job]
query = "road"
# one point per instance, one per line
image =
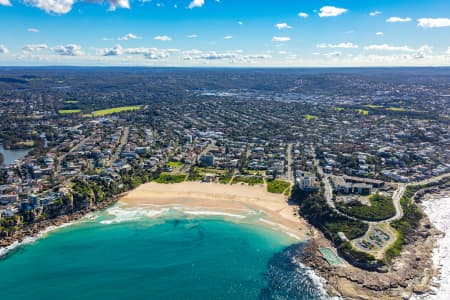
(432, 179)
(75, 148)
(122, 143)
(290, 173)
(396, 199)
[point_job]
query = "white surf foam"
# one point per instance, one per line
(279, 227)
(213, 213)
(319, 282)
(29, 240)
(121, 214)
(438, 210)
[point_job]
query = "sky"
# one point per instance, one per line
(230, 33)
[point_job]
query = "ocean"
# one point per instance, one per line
(438, 210)
(167, 254)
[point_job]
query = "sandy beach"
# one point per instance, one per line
(212, 197)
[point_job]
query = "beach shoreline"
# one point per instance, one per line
(196, 198)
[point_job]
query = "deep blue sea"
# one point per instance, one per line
(159, 257)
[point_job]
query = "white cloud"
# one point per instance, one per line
(281, 39)
(398, 20)
(115, 51)
(52, 6)
(34, 47)
(114, 4)
(3, 49)
(240, 23)
(331, 11)
(196, 3)
(33, 30)
(235, 56)
(5, 2)
(302, 14)
(433, 22)
(129, 36)
(162, 38)
(65, 6)
(375, 13)
(68, 50)
(283, 26)
(213, 55)
(333, 54)
(379, 33)
(448, 50)
(228, 37)
(148, 53)
(340, 45)
(151, 53)
(386, 47)
(192, 36)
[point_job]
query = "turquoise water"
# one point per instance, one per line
(188, 258)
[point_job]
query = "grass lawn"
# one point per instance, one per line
(69, 111)
(71, 101)
(277, 186)
(311, 117)
(114, 110)
(254, 172)
(250, 180)
(26, 143)
(167, 178)
(363, 112)
(225, 179)
(373, 106)
(396, 109)
(175, 164)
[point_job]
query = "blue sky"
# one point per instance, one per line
(225, 33)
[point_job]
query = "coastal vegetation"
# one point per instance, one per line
(412, 216)
(277, 186)
(381, 208)
(225, 179)
(407, 225)
(2, 158)
(314, 208)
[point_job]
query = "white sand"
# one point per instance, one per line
(230, 199)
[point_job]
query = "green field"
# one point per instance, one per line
(69, 111)
(363, 112)
(311, 117)
(167, 178)
(71, 101)
(175, 164)
(277, 186)
(114, 110)
(250, 180)
(373, 106)
(396, 109)
(225, 179)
